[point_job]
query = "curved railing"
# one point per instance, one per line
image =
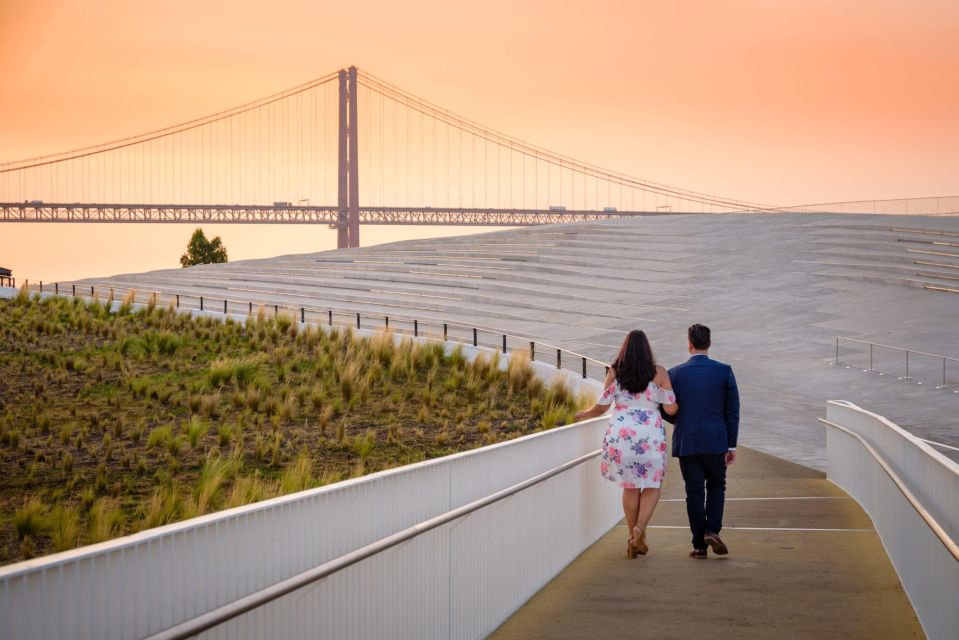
(227, 612)
(469, 334)
(924, 358)
(446, 548)
(927, 206)
(911, 492)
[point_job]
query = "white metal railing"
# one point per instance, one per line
(534, 504)
(911, 492)
(234, 609)
(923, 358)
(465, 334)
(928, 206)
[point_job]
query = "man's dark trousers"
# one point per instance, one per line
(705, 478)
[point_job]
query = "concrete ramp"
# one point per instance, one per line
(804, 562)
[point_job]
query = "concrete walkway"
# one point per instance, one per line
(804, 562)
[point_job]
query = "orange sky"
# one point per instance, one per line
(766, 100)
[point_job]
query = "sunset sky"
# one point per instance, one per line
(765, 100)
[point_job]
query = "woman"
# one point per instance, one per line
(634, 448)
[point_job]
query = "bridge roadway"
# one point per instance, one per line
(305, 214)
(776, 289)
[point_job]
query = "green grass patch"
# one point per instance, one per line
(111, 423)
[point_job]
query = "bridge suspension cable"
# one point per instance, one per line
(149, 136)
(542, 154)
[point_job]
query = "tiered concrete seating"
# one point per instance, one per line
(776, 289)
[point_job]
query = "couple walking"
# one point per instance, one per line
(700, 398)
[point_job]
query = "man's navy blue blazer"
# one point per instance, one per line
(708, 417)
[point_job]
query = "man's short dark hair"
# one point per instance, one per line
(699, 337)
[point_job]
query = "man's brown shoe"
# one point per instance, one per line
(699, 554)
(716, 544)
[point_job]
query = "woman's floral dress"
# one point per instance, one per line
(634, 448)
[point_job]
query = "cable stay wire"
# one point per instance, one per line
(542, 154)
(64, 156)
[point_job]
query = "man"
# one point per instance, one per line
(704, 437)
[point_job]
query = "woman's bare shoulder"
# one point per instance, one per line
(661, 375)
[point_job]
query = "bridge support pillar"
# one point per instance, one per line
(353, 220)
(342, 232)
(348, 204)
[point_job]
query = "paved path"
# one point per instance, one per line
(804, 562)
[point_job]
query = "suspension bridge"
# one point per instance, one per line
(298, 157)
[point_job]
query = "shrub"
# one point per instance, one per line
(213, 475)
(195, 429)
(105, 521)
(363, 445)
(162, 508)
(225, 434)
(28, 519)
(297, 476)
(66, 431)
(553, 416)
(64, 527)
(325, 416)
(245, 490)
(168, 343)
(239, 371)
(559, 392)
(160, 436)
(349, 378)
(126, 305)
(519, 372)
(535, 387)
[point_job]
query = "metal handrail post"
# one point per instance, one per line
(907, 366)
(837, 351)
(870, 356)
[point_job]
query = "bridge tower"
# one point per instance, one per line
(348, 202)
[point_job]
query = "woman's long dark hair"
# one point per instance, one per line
(635, 365)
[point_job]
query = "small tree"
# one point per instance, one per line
(203, 251)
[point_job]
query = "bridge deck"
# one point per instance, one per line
(804, 562)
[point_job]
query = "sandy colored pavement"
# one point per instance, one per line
(805, 564)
